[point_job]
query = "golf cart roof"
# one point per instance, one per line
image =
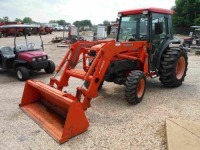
(19, 26)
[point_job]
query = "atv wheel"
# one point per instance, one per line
(86, 85)
(22, 73)
(135, 87)
(50, 68)
(173, 67)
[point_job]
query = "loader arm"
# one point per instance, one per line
(106, 51)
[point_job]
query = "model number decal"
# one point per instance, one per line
(101, 66)
(128, 44)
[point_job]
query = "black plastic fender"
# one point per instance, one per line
(167, 43)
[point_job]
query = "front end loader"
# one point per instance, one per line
(142, 49)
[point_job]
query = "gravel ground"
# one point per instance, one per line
(114, 124)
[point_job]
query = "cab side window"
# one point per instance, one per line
(159, 26)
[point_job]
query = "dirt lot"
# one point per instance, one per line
(114, 124)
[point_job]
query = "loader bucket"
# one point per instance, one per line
(59, 115)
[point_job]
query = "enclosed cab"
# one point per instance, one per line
(153, 25)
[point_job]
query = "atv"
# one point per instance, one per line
(27, 54)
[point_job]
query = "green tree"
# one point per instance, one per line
(197, 20)
(1, 19)
(61, 22)
(27, 20)
(52, 21)
(106, 23)
(77, 23)
(82, 23)
(18, 20)
(186, 13)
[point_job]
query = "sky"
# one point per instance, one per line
(72, 10)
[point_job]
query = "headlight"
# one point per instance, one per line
(33, 59)
(44, 57)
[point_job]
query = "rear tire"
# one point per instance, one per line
(22, 73)
(135, 87)
(50, 68)
(173, 67)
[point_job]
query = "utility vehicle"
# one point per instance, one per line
(26, 55)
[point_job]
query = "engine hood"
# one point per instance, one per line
(98, 46)
(30, 54)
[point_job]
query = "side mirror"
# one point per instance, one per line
(158, 28)
(108, 29)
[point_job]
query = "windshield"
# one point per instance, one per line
(30, 43)
(133, 27)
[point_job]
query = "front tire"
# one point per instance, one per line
(22, 73)
(135, 87)
(173, 67)
(50, 68)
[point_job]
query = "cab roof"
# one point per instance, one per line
(151, 9)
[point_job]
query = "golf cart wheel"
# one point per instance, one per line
(87, 84)
(135, 87)
(50, 68)
(22, 73)
(173, 67)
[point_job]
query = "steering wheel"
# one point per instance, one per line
(132, 37)
(31, 45)
(135, 38)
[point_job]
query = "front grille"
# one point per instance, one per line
(39, 64)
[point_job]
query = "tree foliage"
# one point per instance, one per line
(82, 23)
(18, 20)
(52, 21)
(186, 13)
(60, 22)
(27, 20)
(106, 23)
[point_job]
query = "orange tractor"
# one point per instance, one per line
(144, 48)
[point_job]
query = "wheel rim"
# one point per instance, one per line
(140, 88)
(180, 67)
(19, 74)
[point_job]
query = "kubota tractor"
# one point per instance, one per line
(144, 48)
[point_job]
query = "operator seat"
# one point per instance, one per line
(6, 57)
(7, 52)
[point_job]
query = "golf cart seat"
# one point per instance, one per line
(7, 52)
